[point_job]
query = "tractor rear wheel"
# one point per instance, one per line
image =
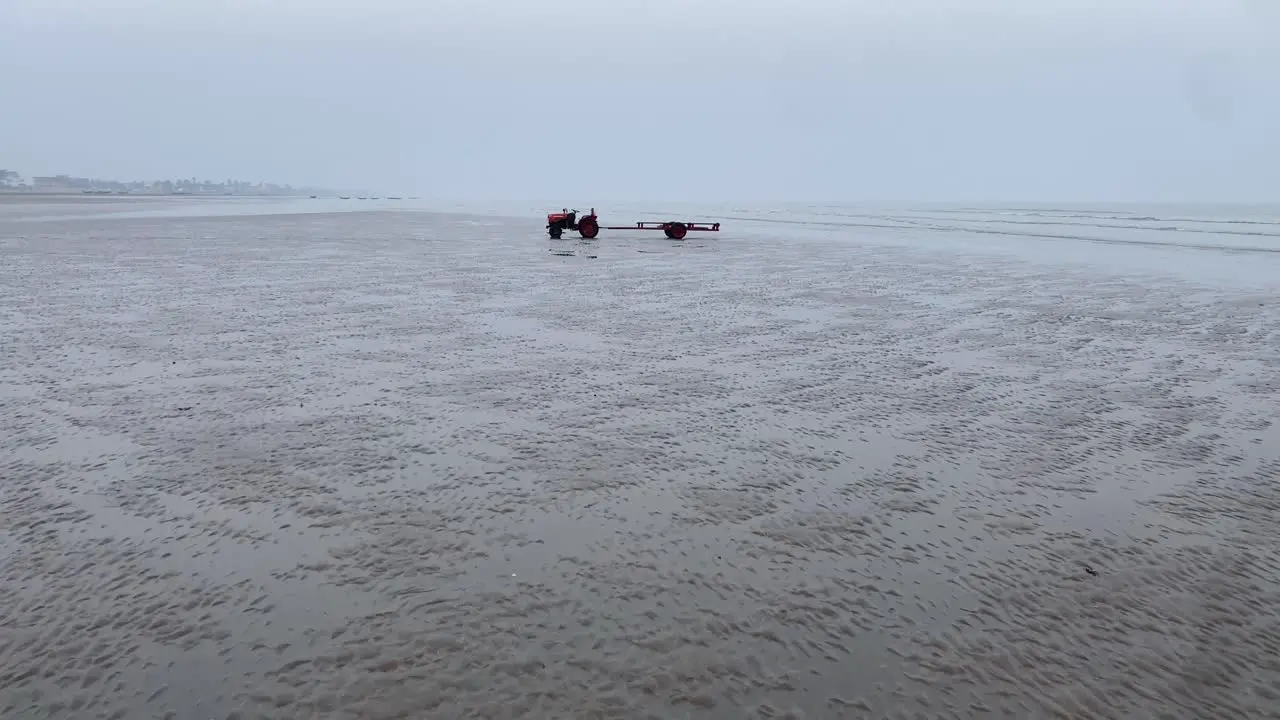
(676, 230)
(588, 227)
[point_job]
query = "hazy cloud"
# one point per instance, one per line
(688, 99)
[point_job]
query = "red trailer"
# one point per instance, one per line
(588, 226)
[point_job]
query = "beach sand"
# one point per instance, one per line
(848, 464)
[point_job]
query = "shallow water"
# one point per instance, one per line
(860, 462)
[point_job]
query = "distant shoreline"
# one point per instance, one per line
(143, 193)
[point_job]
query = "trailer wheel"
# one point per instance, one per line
(675, 230)
(588, 227)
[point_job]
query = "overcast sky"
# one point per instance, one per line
(655, 99)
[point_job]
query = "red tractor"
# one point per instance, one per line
(588, 226)
(557, 223)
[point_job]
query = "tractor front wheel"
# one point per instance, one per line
(588, 227)
(675, 230)
(555, 231)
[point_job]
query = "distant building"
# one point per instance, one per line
(60, 182)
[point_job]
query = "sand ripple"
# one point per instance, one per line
(389, 465)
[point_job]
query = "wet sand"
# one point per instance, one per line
(409, 464)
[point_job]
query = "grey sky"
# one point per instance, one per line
(678, 99)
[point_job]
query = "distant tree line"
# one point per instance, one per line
(192, 185)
